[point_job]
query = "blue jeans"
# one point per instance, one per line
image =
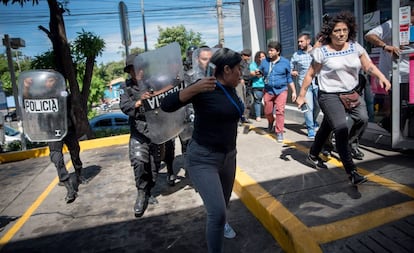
(258, 95)
(312, 114)
(334, 119)
(212, 174)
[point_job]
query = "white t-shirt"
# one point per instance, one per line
(384, 32)
(339, 72)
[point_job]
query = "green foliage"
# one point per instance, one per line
(45, 60)
(7, 85)
(111, 70)
(87, 45)
(17, 145)
(21, 63)
(92, 113)
(21, 2)
(178, 34)
(98, 85)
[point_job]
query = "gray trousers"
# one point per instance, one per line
(212, 174)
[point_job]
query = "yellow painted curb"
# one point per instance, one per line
(84, 145)
(291, 234)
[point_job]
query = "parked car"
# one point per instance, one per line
(108, 124)
(11, 135)
(12, 139)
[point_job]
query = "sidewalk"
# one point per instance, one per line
(307, 210)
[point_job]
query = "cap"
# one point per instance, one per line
(246, 52)
(129, 62)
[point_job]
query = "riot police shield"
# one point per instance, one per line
(162, 72)
(42, 97)
(200, 60)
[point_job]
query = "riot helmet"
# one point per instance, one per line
(189, 56)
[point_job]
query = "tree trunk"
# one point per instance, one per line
(64, 65)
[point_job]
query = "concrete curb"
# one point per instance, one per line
(291, 234)
(84, 145)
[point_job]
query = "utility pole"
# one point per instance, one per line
(143, 24)
(15, 43)
(126, 35)
(220, 22)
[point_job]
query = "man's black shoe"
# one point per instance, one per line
(171, 179)
(246, 121)
(270, 128)
(140, 204)
(356, 153)
(356, 178)
(316, 162)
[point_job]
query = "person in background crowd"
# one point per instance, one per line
(145, 156)
(381, 36)
(277, 78)
(244, 81)
(299, 64)
(257, 83)
(211, 154)
(338, 62)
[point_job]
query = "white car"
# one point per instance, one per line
(11, 135)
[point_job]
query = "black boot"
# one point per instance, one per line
(71, 190)
(141, 203)
(356, 178)
(81, 179)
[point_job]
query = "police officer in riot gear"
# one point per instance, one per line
(145, 156)
(48, 117)
(56, 156)
(188, 63)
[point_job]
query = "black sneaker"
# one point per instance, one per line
(316, 162)
(356, 178)
(171, 179)
(356, 153)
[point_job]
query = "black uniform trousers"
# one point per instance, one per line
(56, 154)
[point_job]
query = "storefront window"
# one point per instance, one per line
(304, 20)
(270, 19)
(334, 6)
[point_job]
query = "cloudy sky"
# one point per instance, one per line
(102, 18)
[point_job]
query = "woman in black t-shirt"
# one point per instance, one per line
(211, 153)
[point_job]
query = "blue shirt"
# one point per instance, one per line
(277, 77)
(257, 82)
(300, 62)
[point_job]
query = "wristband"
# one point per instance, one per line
(383, 47)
